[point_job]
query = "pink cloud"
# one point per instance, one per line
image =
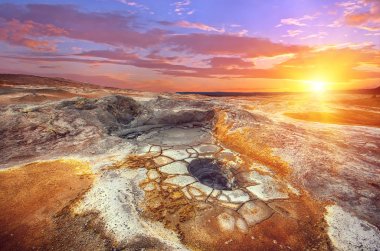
(301, 65)
(318, 35)
(117, 30)
(212, 55)
(363, 14)
(227, 44)
(182, 7)
(27, 34)
(135, 4)
(292, 33)
(190, 25)
(229, 62)
(114, 55)
(296, 21)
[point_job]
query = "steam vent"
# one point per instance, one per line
(209, 172)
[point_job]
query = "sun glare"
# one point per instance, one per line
(317, 86)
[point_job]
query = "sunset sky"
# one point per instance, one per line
(195, 45)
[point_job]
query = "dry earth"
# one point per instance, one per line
(90, 168)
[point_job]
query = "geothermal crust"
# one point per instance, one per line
(90, 168)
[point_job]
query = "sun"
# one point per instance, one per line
(317, 85)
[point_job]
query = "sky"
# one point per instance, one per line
(195, 45)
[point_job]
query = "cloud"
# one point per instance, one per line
(152, 61)
(324, 63)
(190, 25)
(352, 46)
(28, 34)
(296, 21)
(364, 14)
(335, 24)
(116, 29)
(303, 65)
(350, 6)
(226, 44)
(241, 33)
(135, 4)
(291, 21)
(131, 3)
(114, 55)
(271, 62)
(372, 34)
(213, 54)
(48, 66)
(318, 35)
(292, 33)
(229, 63)
(182, 7)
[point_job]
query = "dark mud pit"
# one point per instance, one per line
(209, 172)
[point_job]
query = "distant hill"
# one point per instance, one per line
(21, 79)
(376, 90)
(250, 94)
(235, 94)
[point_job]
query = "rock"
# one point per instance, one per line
(267, 192)
(155, 149)
(64, 126)
(174, 168)
(255, 212)
(242, 225)
(207, 149)
(176, 154)
(237, 196)
(162, 160)
(226, 222)
(267, 189)
(347, 232)
(153, 174)
(204, 190)
(180, 180)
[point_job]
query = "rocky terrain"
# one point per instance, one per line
(90, 168)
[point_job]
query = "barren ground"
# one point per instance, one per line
(86, 168)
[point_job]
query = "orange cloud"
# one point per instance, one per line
(367, 19)
(333, 64)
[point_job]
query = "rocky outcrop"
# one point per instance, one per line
(30, 131)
